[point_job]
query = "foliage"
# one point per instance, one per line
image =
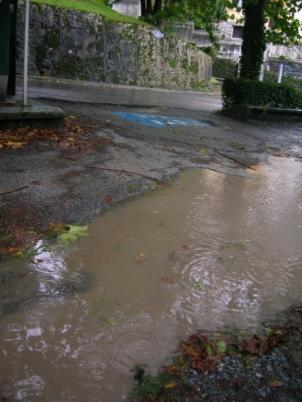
(204, 13)
(204, 352)
(72, 233)
(65, 233)
(254, 40)
(211, 51)
(283, 27)
(72, 135)
(294, 82)
(223, 68)
(147, 385)
(98, 7)
(256, 93)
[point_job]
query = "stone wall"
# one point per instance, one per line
(70, 44)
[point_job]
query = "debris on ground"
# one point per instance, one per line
(72, 135)
(227, 366)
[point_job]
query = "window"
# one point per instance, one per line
(238, 31)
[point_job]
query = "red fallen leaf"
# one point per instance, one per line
(276, 384)
(13, 250)
(255, 345)
(203, 365)
(172, 369)
(108, 199)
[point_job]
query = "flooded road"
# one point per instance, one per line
(208, 251)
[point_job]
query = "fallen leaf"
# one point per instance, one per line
(108, 199)
(221, 347)
(276, 384)
(73, 233)
(14, 145)
(140, 258)
(170, 385)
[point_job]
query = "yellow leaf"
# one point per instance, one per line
(14, 145)
(170, 385)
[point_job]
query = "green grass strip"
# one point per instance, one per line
(91, 6)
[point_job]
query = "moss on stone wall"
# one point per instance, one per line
(110, 52)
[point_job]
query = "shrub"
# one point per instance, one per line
(223, 68)
(247, 92)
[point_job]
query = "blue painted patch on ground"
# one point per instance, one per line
(148, 120)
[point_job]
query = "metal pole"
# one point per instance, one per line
(26, 39)
(280, 75)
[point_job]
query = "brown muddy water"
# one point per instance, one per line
(209, 251)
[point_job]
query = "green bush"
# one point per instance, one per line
(245, 92)
(223, 68)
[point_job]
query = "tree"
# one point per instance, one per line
(205, 13)
(264, 21)
(283, 27)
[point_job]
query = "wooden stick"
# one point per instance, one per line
(235, 160)
(158, 181)
(13, 191)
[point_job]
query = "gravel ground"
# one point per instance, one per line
(274, 374)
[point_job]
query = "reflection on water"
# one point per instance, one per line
(208, 252)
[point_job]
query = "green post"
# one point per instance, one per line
(4, 45)
(8, 13)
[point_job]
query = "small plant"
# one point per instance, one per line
(146, 385)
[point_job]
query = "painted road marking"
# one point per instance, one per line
(148, 120)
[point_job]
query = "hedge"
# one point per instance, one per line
(247, 92)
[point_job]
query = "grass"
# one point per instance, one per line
(91, 6)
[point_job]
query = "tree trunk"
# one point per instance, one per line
(143, 8)
(157, 6)
(253, 46)
(149, 7)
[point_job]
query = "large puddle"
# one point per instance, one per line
(207, 252)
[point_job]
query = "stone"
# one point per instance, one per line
(70, 44)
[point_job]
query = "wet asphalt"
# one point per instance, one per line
(71, 187)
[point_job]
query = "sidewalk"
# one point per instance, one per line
(92, 92)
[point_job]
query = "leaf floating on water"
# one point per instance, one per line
(73, 233)
(102, 300)
(140, 258)
(199, 284)
(108, 321)
(131, 188)
(221, 347)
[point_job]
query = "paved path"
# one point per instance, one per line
(81, 91)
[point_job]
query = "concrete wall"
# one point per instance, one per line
(129, 7)
(69, 44)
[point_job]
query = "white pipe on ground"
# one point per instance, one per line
(280, 75)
